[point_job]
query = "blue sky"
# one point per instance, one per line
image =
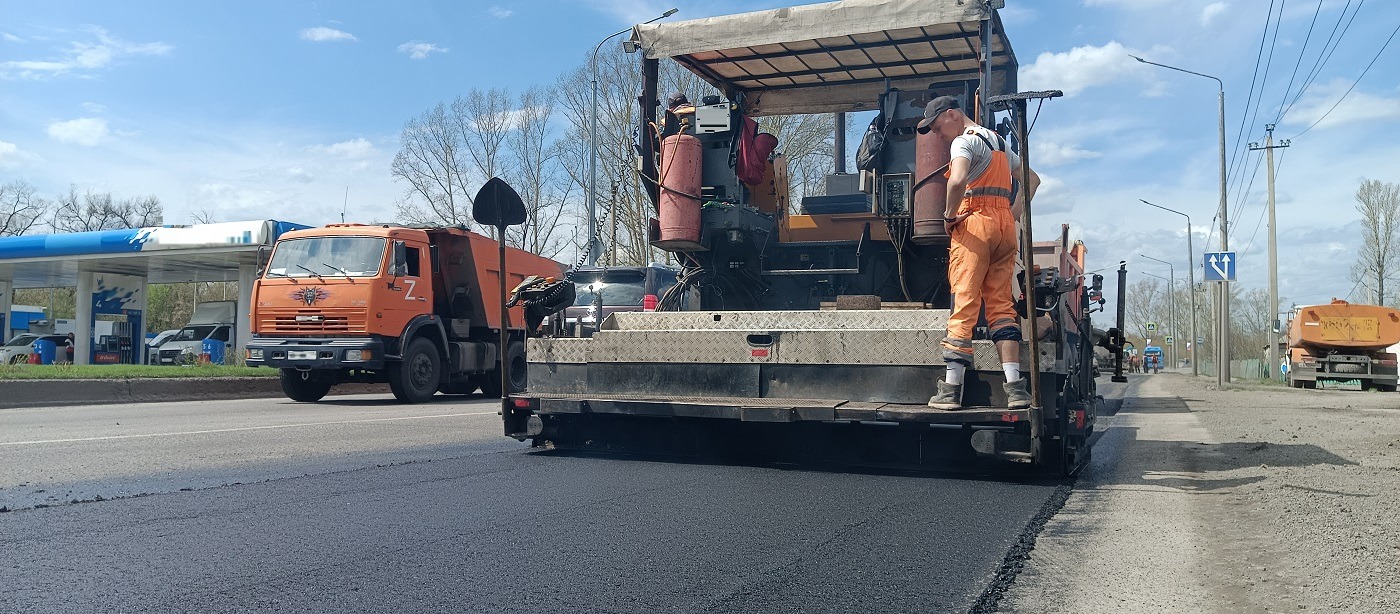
(270, 109)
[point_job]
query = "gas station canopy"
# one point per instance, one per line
(170, 254)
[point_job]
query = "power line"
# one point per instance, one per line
(1252, 80)
(1299, 63)
(1254, 114)
(1353, 83)
(1326, 54)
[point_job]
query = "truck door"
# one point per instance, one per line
(410, 295)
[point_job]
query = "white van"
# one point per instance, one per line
(214, 320)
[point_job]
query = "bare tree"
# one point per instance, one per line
(99, 211)
(1145, 304)
(20, 209)
(431, 161)
(1251, 317)
(1379, 206)
(484, 121)
(535, 175)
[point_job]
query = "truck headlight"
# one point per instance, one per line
(255, 354)
(357, 355)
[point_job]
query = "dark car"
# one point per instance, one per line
(602, 291)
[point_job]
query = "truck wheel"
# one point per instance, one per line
(415, 379)
(303, 386)
(491, 385)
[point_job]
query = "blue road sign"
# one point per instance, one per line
(1220, 266)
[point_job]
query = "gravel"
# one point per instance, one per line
(1253, 498)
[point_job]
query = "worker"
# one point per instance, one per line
(980, 221)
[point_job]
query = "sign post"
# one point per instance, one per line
(499, 206)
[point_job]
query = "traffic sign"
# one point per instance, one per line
(1151, 327)
(1219, 266)
(1169, 340)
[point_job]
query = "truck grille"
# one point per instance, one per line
(329, 320)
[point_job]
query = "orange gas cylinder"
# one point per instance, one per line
(930, 188)
(679, 209)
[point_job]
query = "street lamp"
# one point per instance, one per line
(593, 145)
(1176, 332)
(1191, 278)
(1222, 371)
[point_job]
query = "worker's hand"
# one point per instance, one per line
(950, 222)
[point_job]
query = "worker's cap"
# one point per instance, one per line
(935, 108)
(676, 99)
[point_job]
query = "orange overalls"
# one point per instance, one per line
(981, 259)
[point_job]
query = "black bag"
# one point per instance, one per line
(871, 145)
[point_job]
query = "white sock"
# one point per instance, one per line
(955, 373)
(1012, 371)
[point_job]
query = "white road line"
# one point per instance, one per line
(243, 428)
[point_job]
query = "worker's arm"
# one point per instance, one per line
(957, 186)
(1018, 208)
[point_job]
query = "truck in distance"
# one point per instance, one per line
(1343, 341)
(414, 307)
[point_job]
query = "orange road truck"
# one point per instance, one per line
(1343, 342)
(417, 308)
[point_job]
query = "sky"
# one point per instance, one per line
(291, 110)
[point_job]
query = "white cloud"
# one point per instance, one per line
(82, 57)
(351, 149)
(499, 12)
(10, 38)
(11, 156)
(322, 34)
(1082, 68)
(1211, 11)
(1053, 153)
(93, 107)
(86, 131)
(1357, 107)
(418, 50)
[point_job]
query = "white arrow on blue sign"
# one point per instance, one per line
(1220, 266)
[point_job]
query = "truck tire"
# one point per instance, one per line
(491, 385)
(415, 379)
(303, 386)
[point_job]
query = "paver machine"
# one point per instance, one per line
(813, 316)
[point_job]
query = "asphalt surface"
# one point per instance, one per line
(360, 504)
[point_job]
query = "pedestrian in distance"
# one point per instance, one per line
(981, 222)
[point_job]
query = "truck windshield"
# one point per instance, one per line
(614, 294)
(327, 256)
(193, 333)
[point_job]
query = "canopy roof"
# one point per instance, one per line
(835, 56)
(203, 252)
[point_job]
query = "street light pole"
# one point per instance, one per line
(1176, 333)
(1222, 370)
(592, 200)
(1191, 280)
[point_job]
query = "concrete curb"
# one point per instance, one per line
(59, 392)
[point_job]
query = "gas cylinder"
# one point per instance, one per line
(930, 188)
(679, 209)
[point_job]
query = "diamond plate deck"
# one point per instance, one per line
(887, 319)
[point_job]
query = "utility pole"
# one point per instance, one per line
(1269, 148)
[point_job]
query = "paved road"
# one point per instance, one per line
(359, 504)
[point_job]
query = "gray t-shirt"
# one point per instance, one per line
(977, 152)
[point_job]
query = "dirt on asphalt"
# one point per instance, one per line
(1255, 498)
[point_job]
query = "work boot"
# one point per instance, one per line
(1017, 397)
(949, 396)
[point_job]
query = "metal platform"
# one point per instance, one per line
(771, 410)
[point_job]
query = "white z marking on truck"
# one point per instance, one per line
(408, 296)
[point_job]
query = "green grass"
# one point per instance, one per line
(68, 371)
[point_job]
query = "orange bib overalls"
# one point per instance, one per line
(981, 258)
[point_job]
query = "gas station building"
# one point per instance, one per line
(111, 269)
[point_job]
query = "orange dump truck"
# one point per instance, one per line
(1343, 342)
(418, 308)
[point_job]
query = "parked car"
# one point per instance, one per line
(153, 345)
(17, 351)
(213, 320)
(622, 288)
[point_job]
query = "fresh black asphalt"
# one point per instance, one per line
(482, 524)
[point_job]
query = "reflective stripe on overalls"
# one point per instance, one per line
(981, 259)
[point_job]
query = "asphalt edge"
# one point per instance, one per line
(59, 392)
(1016, 556)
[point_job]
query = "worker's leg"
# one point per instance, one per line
(968, 260)
(1002, 319)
